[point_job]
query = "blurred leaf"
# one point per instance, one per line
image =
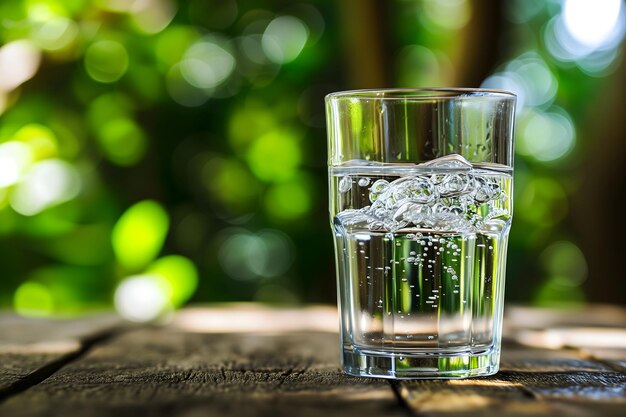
(106, 61)
(139, 234)
(41, 140)
(33, 299)
(172, 44)
(107, 107)
(290, 200)
(248, 123)
(122, 141)
(230, 183)
(181, 276)
(275, 156)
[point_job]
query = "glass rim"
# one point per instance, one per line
(420, 94)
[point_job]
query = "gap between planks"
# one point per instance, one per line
(46, 371)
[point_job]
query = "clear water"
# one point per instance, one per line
(421, 255)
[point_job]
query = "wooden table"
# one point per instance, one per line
(251, 360)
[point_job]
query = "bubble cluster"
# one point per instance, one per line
(449, 196)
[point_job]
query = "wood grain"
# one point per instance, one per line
(28, 346)
(163, 372)
(193, 368)
(531, 382)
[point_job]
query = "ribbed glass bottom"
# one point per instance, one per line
(427, 365)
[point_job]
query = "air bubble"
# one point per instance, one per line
(377, 189)
(345, 184)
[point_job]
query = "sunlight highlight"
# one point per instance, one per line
(19, 61)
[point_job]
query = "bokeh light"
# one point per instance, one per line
(248, 256)
(172, 44)
(566, 268)
(249, 122)
(33, 299)
(229, 182)
(275, 156)
(436, 70)
(179, 274)
(214, 108)
(152, 16)
(508, 81)
(55, 33)
(41, 140)
(446, 14)
(284, 38)
(587, 33)
(545, 136)
(19, 61)
(538, 81)
(181, 91)
(565, 263)
(529, 77)
(290, 200)
(15, 157)
(592, 24)
(542, 202)
(142, 298)
(46, 184)
(122, 141)
(106, 61)
(207, 63)
(139, 234)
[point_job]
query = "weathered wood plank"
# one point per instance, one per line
(250, 361)
(29, 345)
(516, 358)
(500, 395)
(549, 369)
(162, 372)
(531, 382)
(486, 397)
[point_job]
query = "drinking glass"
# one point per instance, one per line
(420, 206)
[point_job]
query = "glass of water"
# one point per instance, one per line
(420, 204)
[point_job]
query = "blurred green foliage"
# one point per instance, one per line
(153, 152)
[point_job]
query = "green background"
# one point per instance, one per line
(175, 151)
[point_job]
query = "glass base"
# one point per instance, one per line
(422, 365)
